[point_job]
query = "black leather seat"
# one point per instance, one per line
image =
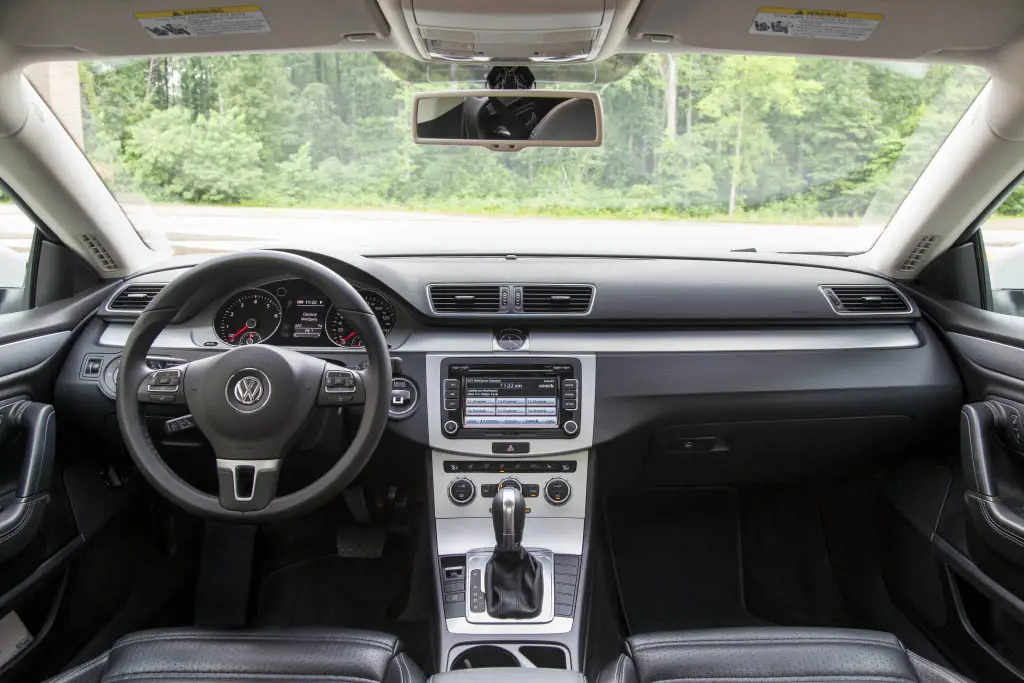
(282, 656)
(772, 654)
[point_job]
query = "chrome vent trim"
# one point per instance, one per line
(535, 299)
(468, 299)
(133, 298)
(918, 253)
(557, 299)
(866, 300)
(100, 255)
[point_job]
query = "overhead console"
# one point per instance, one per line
(526, 31)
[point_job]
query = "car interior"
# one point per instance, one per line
(480, 451)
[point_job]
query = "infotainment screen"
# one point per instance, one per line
(511, 402)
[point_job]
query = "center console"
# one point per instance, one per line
(510, 438)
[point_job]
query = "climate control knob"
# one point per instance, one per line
(461, 491)
(557, 491)
(450, 427)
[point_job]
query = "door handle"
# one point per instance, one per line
(999, 520)
(20, 520)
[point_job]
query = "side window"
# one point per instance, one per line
(16, 234)
(1003, 235)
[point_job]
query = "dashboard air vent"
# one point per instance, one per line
(866, 300)
(466, 298)
(134, 298)
(557, 298)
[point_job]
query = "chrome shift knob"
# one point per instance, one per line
(508, 513)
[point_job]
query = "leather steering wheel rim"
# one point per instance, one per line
(181, 298)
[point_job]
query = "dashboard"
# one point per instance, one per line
(688, 370)
(293, 313)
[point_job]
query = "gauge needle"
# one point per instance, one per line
(349, 337)
(235, 335)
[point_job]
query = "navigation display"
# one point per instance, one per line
(511, 402)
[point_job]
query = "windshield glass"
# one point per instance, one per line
(700, 152)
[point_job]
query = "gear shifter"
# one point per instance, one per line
(514, 577)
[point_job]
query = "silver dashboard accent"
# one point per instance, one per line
(560, 535)
(556, 625)
(825, 289)
(482, 446)
(482, 342)
(259, 467)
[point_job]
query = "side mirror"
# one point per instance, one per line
(508, 120)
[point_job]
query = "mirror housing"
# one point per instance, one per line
(508, 120)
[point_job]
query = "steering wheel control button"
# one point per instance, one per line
(462, 491)
(341, 381)
(404, 398)
(557, 491)
(450, 427)
(510, 447)
(164, 381)
(248, 390)
(570, 427)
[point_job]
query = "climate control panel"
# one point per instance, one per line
(552, 486)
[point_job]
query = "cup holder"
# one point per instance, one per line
(484, 657)
(510, 655)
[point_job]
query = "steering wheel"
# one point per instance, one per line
(251, 402)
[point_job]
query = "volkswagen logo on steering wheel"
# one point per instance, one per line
(248, 390)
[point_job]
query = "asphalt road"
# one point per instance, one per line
(214, 229)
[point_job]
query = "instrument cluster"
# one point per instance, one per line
(293, 313)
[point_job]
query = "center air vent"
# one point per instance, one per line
(134, 298)
(467, 298)
(557, 298)
(865, 300)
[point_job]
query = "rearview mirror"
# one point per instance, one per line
(508, 120)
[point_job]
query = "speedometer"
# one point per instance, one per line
(249, 317)
(343, 334)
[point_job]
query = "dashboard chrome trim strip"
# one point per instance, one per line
(542, 341)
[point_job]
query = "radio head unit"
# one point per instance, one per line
(502, 398)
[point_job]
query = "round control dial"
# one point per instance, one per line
(510, 483)
(557, 491)
(462, 491)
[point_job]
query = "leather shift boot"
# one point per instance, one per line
(515, 586)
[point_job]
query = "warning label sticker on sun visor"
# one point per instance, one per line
(790, 22)
(206, 21)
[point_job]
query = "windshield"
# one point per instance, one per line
(700, 152)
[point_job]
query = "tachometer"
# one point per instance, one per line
(249, 317)
(343, 334)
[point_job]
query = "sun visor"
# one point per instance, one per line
(147, 27)
(535, 31)
(879, 29)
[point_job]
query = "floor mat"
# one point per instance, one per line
(677, 559)
(787, 572)
(331, 591)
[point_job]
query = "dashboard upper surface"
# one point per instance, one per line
(654, 290)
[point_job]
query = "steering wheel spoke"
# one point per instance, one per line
(247, 485)
(341, 386)
(165, 386)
